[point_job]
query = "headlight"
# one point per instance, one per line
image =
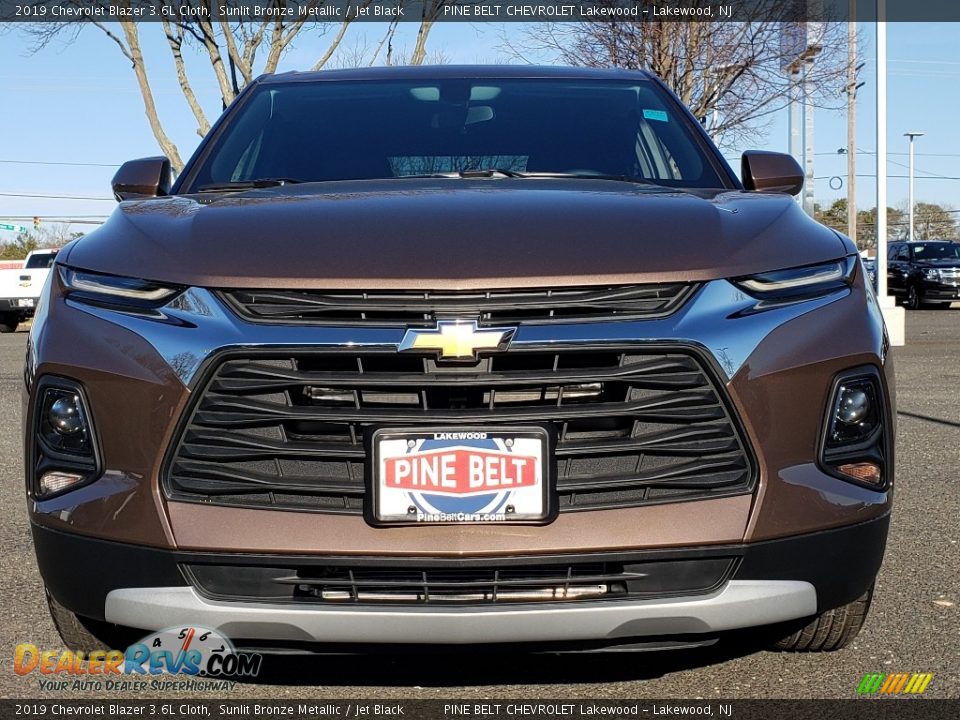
(801, 282)
(115, 291)
(931, 274)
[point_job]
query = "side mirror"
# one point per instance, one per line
(771, 171)
(144, 178)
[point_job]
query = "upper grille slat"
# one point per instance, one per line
(249, 413)
(233, 383)
(386, 308)
(286, 428)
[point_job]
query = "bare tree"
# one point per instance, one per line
(237, 51)
(934, 222)
(728, 73)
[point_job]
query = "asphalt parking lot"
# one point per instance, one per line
(914, 625)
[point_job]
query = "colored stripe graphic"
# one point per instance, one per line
(894, 683)
(870, 684)
(918, 683)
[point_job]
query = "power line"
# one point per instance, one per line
(868, 152)
(53, 218)
(54, 197)
(904, 177)
(54, 162)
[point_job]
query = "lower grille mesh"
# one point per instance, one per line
(463, 582)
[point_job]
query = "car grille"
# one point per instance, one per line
(464, 582)
(392, 309)
(287, 429)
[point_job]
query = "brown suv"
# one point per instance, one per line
(459, 355)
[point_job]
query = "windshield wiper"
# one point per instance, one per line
(503, 172)
(472, 173)
(587, 176)
(248, 184)
(490, 172)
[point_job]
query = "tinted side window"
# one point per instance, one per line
(892, 252)
(39, 262)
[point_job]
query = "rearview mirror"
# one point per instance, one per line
(144, 178)
(771, 172)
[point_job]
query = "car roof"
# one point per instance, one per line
(444, 72)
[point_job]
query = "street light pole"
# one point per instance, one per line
(911, 135)
(893, 315)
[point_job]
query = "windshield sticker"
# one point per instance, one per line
(659, 115)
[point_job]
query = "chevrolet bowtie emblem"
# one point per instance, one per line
(457, 340)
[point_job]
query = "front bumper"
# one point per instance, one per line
(19, 305)
(940, 292)
(740, 604)
(773, 581)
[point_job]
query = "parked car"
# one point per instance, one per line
(924, 273)
(20, 288)
(453, 356)
(870, 265)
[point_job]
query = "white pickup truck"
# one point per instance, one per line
(20, 288)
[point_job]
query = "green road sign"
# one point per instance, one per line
(14, 228)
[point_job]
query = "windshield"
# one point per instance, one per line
(352, 130)
(936, 251)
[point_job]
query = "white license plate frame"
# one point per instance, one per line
(459, 476)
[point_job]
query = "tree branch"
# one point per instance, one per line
(150, 108)
(175, 41)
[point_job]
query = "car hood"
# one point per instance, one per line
(454, 234)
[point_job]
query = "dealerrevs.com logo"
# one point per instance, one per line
(201, 658)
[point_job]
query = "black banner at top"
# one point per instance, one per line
(339, 11)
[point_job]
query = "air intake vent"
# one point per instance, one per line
(426, 308)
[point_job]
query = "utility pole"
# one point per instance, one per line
(893, 315)
(800, 42)
(808, 114)
(795, 116)
(852, 122)
(911, 135)
(881, 149)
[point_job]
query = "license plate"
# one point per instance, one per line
(25, 302)
(459, 475)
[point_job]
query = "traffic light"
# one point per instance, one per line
(36, 223)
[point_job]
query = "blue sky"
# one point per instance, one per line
(78, 103)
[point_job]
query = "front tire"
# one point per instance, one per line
(9, 322)
(82, 634)
(830, 631)
(913, 298)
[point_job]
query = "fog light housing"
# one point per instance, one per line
(65, 415)
(63, 421)
(854, 446)
(64, 455)
(856, 412)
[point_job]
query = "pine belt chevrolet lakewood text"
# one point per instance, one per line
(459, 355)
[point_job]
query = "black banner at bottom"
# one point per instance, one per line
(855, 709)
